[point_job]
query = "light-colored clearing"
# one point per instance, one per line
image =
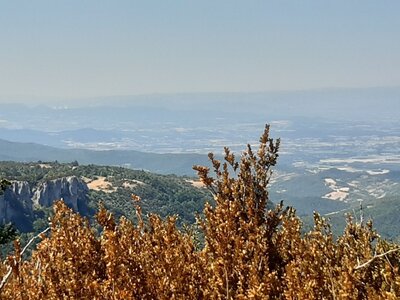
(380, 172)
(349, 169)
(336, 195)
(45, 166)
(196, 183)
(374, 159)
(100, 184)
(329, 181)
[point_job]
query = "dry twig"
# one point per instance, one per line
(8, 274)
(375, 257)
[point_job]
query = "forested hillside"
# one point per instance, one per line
(113, 186)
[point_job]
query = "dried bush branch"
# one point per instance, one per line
(9, 272)
(374, 258)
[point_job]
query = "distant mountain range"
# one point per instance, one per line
(180, 164)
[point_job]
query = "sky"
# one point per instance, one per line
(90, 48)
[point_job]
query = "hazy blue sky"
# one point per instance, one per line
(92, 48)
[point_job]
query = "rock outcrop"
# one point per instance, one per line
(71, 189)
(16, 202)
(19, 200)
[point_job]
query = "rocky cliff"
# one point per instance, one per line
(16, 204)
(19, 200)
(71, 189)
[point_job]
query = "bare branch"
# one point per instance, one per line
(9, 272)
(375, 257)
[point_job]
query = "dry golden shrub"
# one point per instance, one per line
(249, 252)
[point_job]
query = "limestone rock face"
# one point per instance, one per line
(16, 203)
(19, 199)
(71, 189)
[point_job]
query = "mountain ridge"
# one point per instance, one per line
(174, 163)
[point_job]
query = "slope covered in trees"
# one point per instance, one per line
(249, 251)
(162, 194)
